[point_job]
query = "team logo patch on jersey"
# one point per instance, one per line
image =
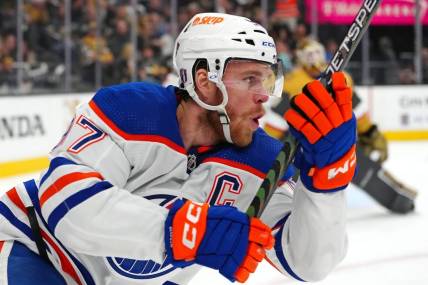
(139, 269)
(143, 269)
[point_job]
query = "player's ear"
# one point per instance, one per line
(207, 89)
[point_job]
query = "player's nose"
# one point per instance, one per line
(261, 97)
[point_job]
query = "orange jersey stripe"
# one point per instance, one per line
(65, 263)
(64, 181)
(14, 197)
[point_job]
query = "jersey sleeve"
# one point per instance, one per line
(309, 230)
(85, 195)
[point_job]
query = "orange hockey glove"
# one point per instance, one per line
(325, 127)
(219, 237)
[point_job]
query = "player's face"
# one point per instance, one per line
(248, 85)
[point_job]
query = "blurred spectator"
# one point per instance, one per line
(286, 11)
(7, 16)
(9, 45)
(330, 48)
(158, 7)
(37, 18)
(7, 61)
(111, 45)
(7, 73)
(123, 65)
(225, 6)
(407, 75)
(300, 33)
(96, 9)
(425, 65)
(95, 49)
(283, 39)
(120, 38)
(388, 56)
(147, 60)
(77, 11)
(284, 54)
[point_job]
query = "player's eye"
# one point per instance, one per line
(251, 80)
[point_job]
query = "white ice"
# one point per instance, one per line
(384, 248)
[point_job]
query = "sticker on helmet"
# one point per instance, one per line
(207, 20)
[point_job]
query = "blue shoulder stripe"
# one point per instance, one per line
(60, 211)
(140, 108)
(32, 191)
(54, 164)
(280, 253)
(8, 214)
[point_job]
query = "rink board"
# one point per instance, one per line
(401, 112)
(30, 126)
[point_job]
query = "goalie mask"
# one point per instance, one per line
(311, 56)
(220, 39)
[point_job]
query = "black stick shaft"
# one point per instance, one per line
(288, 150)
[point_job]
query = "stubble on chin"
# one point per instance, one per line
(241, 136)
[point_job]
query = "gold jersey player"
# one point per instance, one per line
(371, 177)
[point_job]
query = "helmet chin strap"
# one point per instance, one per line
(224, 118)
(221, 108)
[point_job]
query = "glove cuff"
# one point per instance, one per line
(333, 177)
(168, 236)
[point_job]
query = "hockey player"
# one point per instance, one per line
(150, 183)
(371, 177)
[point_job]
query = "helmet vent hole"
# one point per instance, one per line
(238, 40)
(242, 33)
(260, 31)
(263, 53)
(250, 42)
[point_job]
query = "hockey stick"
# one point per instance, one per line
(338, 62)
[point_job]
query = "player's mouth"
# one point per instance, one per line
(255, 121)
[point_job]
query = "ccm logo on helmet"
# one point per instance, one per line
(268, 44)
(207, 20)
(189, 232)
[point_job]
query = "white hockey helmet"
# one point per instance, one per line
(218, 38)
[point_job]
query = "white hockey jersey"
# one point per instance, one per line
(102, 202)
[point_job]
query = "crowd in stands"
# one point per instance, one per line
(101, 39)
